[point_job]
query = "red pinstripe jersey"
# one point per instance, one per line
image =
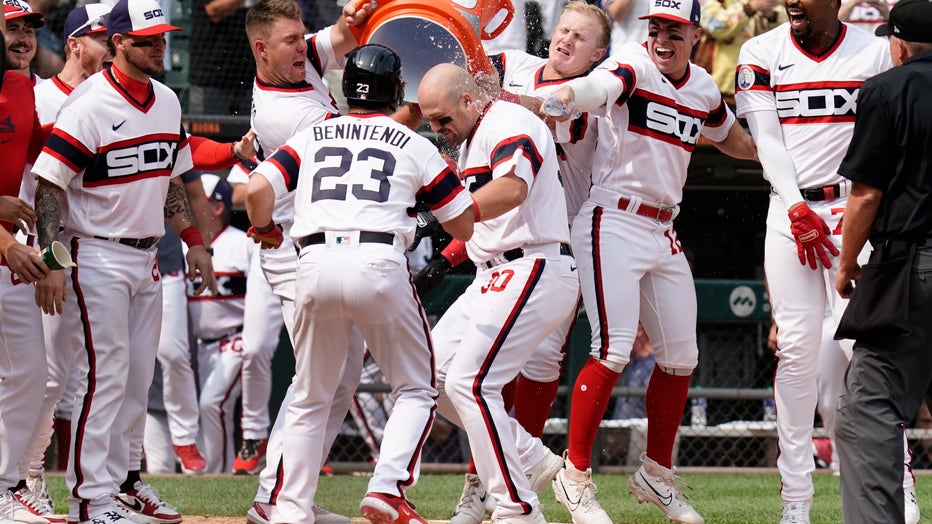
(114, 156)
(815, 97)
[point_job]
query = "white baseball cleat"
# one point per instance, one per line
(12, 509)
(576, 491)
(544, 471)
(535, 517)
(471, 507)
(656, 484)
(911, 505)
(796, 512)
(260, 513)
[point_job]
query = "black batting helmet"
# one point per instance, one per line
(372, 77)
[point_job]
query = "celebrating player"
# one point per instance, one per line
(525, 286)
(797, 86)
(19, 29)
(654, 105)
(117, 307)
(290, 95)
(350, 276)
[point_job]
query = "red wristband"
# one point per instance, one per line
(455, 252)
(477, 214)
(508, 96)
(191, 237)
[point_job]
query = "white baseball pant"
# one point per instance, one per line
(219, 364)
(23, 373)
(262, 326)
(117, 309)
(483, 341)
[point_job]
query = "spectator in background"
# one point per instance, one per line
(866, 14)
(627, 26)
(50, 56)
(729, 24)
(219, 45)
(636, 375)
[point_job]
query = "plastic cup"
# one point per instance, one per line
(56, 256)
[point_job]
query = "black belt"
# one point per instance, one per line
(365, 237)
(818, 194)
(514, 254)
(218, 339)
(138, 243)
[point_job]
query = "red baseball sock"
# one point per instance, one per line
(63, 437)
(533, 401)
(666, 400)
(591, 393)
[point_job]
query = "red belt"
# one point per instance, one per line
(659, 214)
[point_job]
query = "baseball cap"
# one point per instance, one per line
(909, 20)
(216, 188)
(87, 19)
(14, 9)
(683, 11)
(138, 18)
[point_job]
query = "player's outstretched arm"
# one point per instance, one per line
(499, 197)
(181, 220)
(738, 144)
(461, 226)
(354, 14)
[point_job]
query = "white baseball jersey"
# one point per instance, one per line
(279, 112)
(652, 125)
(815, 96)
(50, 96)
(217, 315)
(866, 17)
(118, 161)
(530, 153)
(523, 74)
(344, 165)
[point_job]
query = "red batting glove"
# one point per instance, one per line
(812, 236)
(268, 240)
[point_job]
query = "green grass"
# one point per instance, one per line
(732, 498)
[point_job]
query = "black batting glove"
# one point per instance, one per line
(431, 275)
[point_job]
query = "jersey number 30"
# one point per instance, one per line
(339, 189)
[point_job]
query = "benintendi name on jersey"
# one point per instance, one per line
(354, 130)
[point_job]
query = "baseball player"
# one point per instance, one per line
(288, 97)
(217, 323)
(126, 136)
(578, 43)
(797, 86)
(23, 368)
(653, 106)
(376, 167)
(524, 287)
(86, 50)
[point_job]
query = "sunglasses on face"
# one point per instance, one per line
(149, 42)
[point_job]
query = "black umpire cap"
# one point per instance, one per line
(910, 20)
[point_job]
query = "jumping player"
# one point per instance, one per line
(797, 85)
(653, 105)
(525, 285)
(116, 316)
(374, 179)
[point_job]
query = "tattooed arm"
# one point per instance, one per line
(179, 217)
(50, 292)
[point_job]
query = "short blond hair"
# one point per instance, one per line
(261, 17)
(595, 12)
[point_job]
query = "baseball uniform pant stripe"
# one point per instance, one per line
(536, 272)
(80, 424)
(279, 476)
(605, 340)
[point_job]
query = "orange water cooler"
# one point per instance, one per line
(425, 33)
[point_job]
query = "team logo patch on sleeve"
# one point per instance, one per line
(745, 79)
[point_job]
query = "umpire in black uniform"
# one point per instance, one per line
(890, 313)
